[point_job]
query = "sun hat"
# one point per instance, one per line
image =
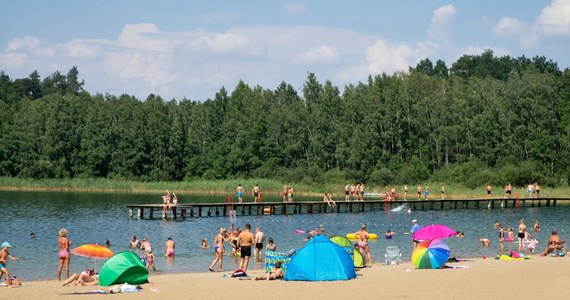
(6, 244)
(414, 221)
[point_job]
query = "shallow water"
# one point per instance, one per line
(95, 217)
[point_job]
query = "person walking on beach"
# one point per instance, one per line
(259, 239)
(63, 255)
(4, 255)
(255, 192)
(169, 247)
(362, 236)
(239, 191)
(218, 250)
(245, 241)
(415, 228)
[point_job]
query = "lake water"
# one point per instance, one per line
(96, 217)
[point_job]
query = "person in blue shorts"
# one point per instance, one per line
(239, 191)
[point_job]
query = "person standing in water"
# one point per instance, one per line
(169, 247)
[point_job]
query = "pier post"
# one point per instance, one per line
(140, 214)
(130, 212)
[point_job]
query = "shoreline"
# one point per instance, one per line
(477, 278)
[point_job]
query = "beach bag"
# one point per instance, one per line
(239, 273)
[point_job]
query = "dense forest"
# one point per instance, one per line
(485, 119)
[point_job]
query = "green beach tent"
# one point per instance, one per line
(345, 243)
(123, 267)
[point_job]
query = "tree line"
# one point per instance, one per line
(485, 119)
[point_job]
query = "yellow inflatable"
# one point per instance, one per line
(352, 236)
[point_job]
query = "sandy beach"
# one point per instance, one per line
(535, 278)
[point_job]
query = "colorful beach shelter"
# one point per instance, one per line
(345, 243)
(320, 260)
(123, 267)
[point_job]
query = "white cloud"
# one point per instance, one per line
(508, 26)
(225, 43)
(554, 20)
(443, 14)
(380, 57)
(27, 42)
(322, 54)
(440, 20)
(295, 8)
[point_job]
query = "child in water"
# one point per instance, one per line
(510, 235)
(150, 260)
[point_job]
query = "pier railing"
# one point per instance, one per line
(193, 210)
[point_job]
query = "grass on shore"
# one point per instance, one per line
(268, 186)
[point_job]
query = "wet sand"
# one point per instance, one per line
(536, 278)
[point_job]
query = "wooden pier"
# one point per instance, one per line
(194, 210)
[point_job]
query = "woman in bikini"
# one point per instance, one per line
(63, 254)
(362, 236)
(218, 250)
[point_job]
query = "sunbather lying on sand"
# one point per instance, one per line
(275, 274)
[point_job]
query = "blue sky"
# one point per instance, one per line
(191, 49)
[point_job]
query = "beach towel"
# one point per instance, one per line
(239, 273)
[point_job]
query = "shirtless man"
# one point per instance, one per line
(219, 250)
(145, 245)
(362, 236)
(135, 243)
(255, 193)
(239, 191)
(245, 241)
(361, 192)
(4, 255)
(259, 239)
(508, 190)
(165, 203)
(420, 192)
(275, 274)
(169, 247)
(405, 192)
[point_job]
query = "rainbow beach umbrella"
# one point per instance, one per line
(431, 254)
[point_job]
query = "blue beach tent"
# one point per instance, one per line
(320, 260)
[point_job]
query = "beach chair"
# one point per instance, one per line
(393, 255)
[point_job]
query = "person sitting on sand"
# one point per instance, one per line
(554, 243)
(485, 242)
(277, 273)
(87, 277)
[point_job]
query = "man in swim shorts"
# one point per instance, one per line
(239, 191)
(259, 239)
(415, 227)
(255, 193)
(245, 241)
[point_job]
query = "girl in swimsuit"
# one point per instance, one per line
(362, 235)
(218, 250)
(63, 254)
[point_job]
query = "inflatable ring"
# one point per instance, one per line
(352, 236)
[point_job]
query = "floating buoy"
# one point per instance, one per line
(267, 210)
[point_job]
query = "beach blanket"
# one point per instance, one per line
(271, 257)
